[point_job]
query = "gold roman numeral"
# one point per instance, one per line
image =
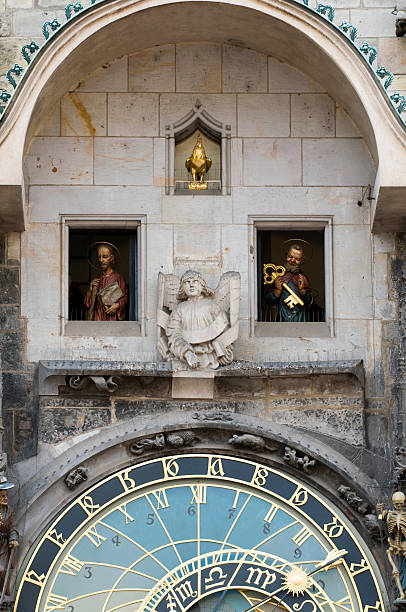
(71, 566)
(199, 494)
(301, 536)
(161, 498)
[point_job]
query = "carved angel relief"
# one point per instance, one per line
(196, 325)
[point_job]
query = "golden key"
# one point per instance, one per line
(270, 277)
(292, 299)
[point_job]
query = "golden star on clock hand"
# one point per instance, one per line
(334, 557)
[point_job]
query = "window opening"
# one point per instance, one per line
(273, 246)
(84, 268)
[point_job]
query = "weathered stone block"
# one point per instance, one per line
(10, 54)
(12, 346)
(198, 67)
(392, 54)
(132, 114)
(25, 438)
(84, 114)
(194, 209)
(28, 23)
(47, 203)
(2, 248)
(263, 115)
(344, 422)
(373, 22)
(152, 69)
(16, 4)
(197, 242)
(145, 387)
(9, 286)
(353, 295)
(10, 318)
(112, 76)
(272, 161)
(244, 70)
(313, 115)
(13, 255)
(52, 123)
(56, 424)
(5, 25)
(283, 78)
(40, 250)
(123, 161)
(345, 127)
(240, 387)
(56, 161)
(336, 161)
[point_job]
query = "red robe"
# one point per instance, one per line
(99, 310)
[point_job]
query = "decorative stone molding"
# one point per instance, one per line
(76, 477)
(304, 463)
(54, 374)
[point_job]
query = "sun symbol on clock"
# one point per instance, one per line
(296, 581)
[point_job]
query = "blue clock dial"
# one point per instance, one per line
(196, 532)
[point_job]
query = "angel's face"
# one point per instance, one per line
(192, 287)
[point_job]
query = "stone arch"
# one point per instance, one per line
(299, 36)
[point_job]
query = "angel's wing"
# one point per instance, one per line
(227, 295)
(168, 289)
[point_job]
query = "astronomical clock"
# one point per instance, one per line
(200, 532)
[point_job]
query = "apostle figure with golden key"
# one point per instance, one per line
(291, 290)
(396, 524)
(198, 165)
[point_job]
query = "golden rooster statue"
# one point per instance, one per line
(198, 165)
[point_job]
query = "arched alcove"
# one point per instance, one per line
(302, 38)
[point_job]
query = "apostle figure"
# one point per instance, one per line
(107, 296)
(299, 285)
(196, 325)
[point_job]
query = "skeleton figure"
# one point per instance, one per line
(196, 325)
(396, 525)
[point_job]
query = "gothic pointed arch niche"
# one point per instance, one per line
(218, 136)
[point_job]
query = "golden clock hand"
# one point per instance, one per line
(334, 557)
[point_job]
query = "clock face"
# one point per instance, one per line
(201, 533)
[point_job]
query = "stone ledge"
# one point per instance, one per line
(104, 374)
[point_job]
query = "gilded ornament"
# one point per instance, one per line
(198, 164)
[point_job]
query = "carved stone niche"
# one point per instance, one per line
(198, 119)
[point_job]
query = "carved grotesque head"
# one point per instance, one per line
(193, 284)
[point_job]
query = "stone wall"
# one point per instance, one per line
(19, 399)
(294, 153)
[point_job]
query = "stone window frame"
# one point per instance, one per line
(104, 328)
(260, 329)
(197, 114)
